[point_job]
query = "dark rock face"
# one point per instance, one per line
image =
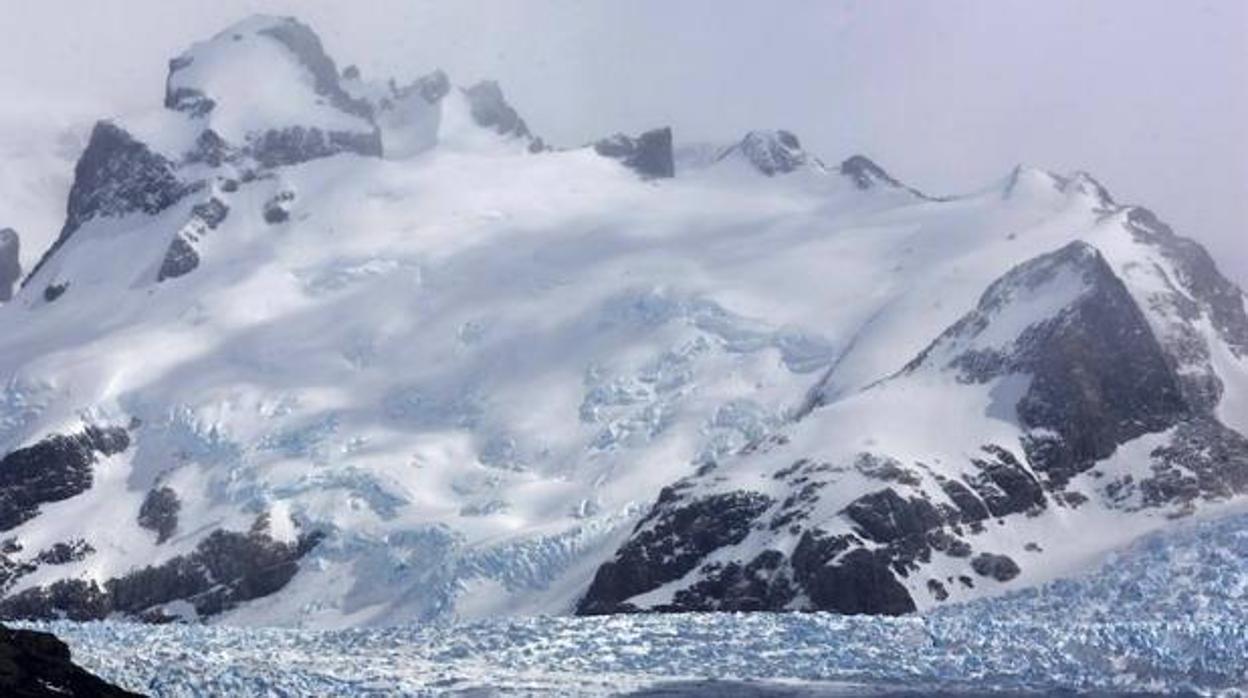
(159, 512)
(225, 569)
(306, 45)
(211, 149)
(65, 553)
(1099, 378)
(761, 585)
(1213, 294)
(669, 543)
(860, 581)
(649, 154)
(1004, 485)
(1204, 460)
(35, 664)
(57, 468)
(970, 507)
(491, 110)
(10, 262)
(291, 146)
(772, 152)
(116, 175)
(886, 516)
(867, 175)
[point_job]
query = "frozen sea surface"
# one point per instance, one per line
(1168, 616)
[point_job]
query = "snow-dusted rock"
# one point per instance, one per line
(266, 85)
(649, 154)
(771, 152)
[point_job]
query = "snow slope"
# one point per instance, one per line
(405, 362)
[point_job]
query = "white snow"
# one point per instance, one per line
(476, 367)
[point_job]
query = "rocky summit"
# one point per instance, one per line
(320, 349)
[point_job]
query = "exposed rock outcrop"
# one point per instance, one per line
(56, 468)
(37, 665)
(116, 175)
(182, 258)
(771, 152)
(669, 543)
(649, 155)
(10, 262)
(159, 512)
(491, 110)
(225, 569)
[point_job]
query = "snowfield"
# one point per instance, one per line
(367, 366)
(1166, 615)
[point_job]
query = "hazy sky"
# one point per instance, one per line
(1151, 96)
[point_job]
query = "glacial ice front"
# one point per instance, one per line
(1166, 615)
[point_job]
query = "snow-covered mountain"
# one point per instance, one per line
(317, 350)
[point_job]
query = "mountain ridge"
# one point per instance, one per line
(388, 356)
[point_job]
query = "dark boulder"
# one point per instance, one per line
(277, 209)
(1000, 567)
(159, 512)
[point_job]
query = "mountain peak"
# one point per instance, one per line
(491, 110)
(1083, 184)
(260, 75)
(771, 152)
(649, 154)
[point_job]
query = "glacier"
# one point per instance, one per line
(1162, 616)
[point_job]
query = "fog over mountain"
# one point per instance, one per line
(1152, 96)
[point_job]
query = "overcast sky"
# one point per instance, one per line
(1151, 96)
